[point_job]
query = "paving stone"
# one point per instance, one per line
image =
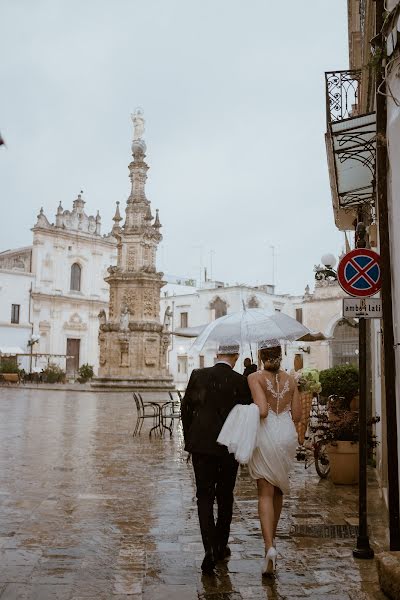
(170, 592)
(15, 591)
(88, 512)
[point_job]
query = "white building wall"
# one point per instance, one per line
(15, 289)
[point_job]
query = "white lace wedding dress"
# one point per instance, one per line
(267, 445)
(276, 442)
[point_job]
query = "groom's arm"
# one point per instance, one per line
(244, 396)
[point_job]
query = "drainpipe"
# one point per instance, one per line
(386, 294)
(31, 324)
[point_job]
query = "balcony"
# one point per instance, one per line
(341, 92)
(350, 145)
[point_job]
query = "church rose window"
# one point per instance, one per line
(76, 277)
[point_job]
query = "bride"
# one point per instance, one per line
(263, 435)
(276, 395)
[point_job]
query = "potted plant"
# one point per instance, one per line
(340, 385)
(85, 373)
(340, 381)
(340, 434)
(309, 386)
(53, 374)
(9, 371)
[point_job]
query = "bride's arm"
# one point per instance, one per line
(258, 394)
(296, 404)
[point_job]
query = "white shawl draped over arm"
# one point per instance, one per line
(239, 432)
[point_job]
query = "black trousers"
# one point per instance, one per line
(215, 478)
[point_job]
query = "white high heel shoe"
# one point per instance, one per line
(270, 562)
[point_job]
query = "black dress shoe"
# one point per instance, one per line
(208, 564)
(222, 553)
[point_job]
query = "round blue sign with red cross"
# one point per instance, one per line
(359, 273)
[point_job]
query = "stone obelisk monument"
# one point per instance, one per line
(133, 342)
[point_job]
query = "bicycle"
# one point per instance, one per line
(313, 450)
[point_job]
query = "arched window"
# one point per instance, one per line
(345, 343)
(219, 306)
(76, 277)
(252, 302)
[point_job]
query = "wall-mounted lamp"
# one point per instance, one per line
(306, 349)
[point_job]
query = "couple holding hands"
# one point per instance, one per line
(227, 418)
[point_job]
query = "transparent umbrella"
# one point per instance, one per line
(252, 325)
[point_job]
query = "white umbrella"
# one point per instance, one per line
(252, 325)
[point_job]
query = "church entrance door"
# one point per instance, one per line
(73, 347)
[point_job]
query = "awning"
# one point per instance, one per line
(10, 350)
(189, 332)
(351, 147)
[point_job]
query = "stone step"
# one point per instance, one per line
(389, 573)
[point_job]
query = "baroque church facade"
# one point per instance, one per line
(55, 288)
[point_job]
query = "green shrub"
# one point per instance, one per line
(9, 366)
(86, 371)
(53, 374)
(340, 381)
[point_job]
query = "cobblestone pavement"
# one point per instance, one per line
(88, 512)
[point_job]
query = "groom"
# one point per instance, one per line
(210, 396)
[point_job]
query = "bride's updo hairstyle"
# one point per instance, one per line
(271, 358)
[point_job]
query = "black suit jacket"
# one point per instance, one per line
(210, 396)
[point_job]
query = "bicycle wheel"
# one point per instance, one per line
(321, 461)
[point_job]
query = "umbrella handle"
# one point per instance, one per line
(251, 353)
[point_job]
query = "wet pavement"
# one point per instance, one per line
(88, 512)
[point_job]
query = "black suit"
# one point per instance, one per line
(210, 396)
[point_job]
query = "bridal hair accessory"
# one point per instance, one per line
(269, 344)
(228, 349)
(271, 354)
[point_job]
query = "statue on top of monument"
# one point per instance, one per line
(138, 124)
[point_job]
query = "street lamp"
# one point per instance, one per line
(31, 342)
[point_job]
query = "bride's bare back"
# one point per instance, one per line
(275, 391)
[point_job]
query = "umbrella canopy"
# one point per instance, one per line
(253, 325)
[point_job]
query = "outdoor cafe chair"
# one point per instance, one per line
(171, 410)
(146, 410)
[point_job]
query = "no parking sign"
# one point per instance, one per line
(359, 273)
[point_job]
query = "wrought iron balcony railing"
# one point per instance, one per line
(342, 94)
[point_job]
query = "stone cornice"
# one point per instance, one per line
(18, 272)
(16, 325)
(135, 276)
(64, 298)
(67, 234)
(148, 326)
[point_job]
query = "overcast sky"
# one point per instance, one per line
(233, 96)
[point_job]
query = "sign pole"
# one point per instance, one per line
(363, 549)
(359, 274)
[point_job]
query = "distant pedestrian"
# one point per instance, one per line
(249, 367)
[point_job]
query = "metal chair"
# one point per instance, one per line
(171, 410)
(146, 410)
